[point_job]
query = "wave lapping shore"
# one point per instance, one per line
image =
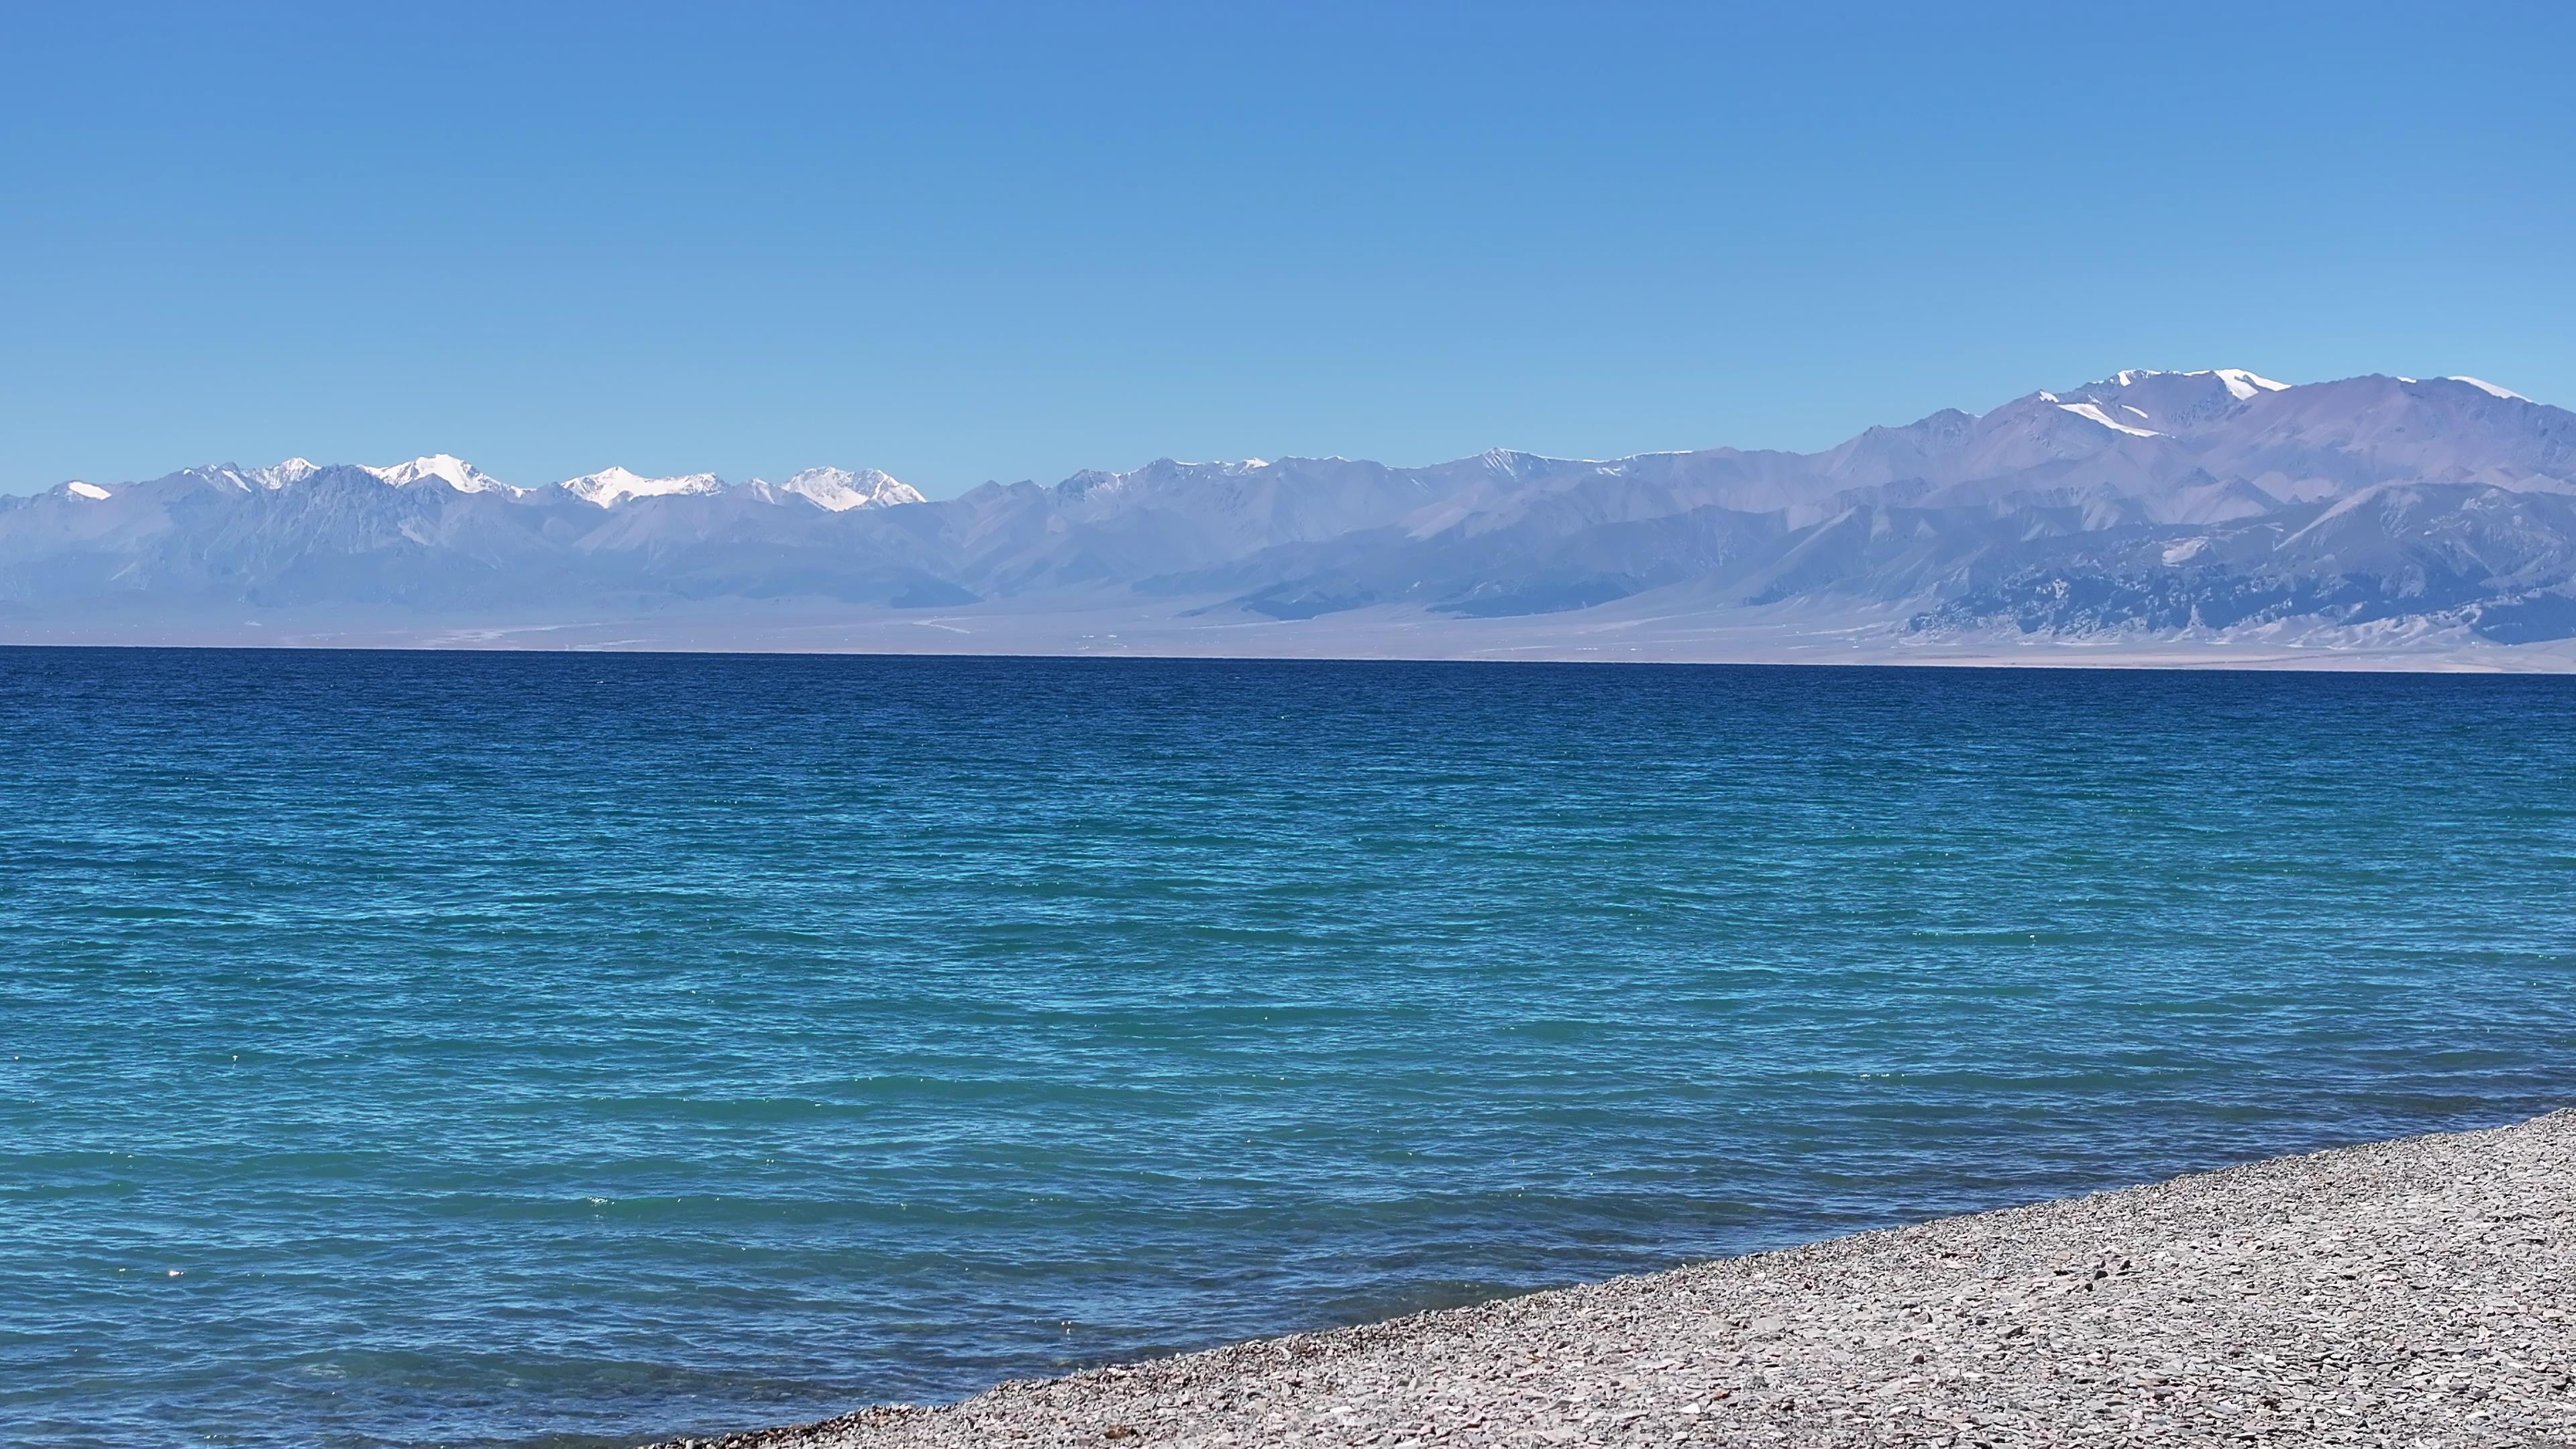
(2415, 1292)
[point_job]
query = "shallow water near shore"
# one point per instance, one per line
(507, 1049)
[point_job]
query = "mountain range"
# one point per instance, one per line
(2217, 514)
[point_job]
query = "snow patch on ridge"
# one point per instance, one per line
(2091, 413)
(2490, 388)
(78, 489)
(2242, 384)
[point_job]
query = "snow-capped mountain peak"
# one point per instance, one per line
(246, 480)
(840, 489)
(2144, 400)
(279, 475)
(2239, 383)
(611, 485)
(446, 468)
(2490, 388)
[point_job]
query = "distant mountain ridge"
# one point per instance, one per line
(2207, 506)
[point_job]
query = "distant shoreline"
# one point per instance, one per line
(2379, 1293)
(2040, 654)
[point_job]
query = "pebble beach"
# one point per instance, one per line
(2415, 1292)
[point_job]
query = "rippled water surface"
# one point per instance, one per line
(497, 1049)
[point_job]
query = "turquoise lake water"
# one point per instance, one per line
(569, 1049)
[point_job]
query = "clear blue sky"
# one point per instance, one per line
(968, 242)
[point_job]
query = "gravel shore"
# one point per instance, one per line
(2415, 1293)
